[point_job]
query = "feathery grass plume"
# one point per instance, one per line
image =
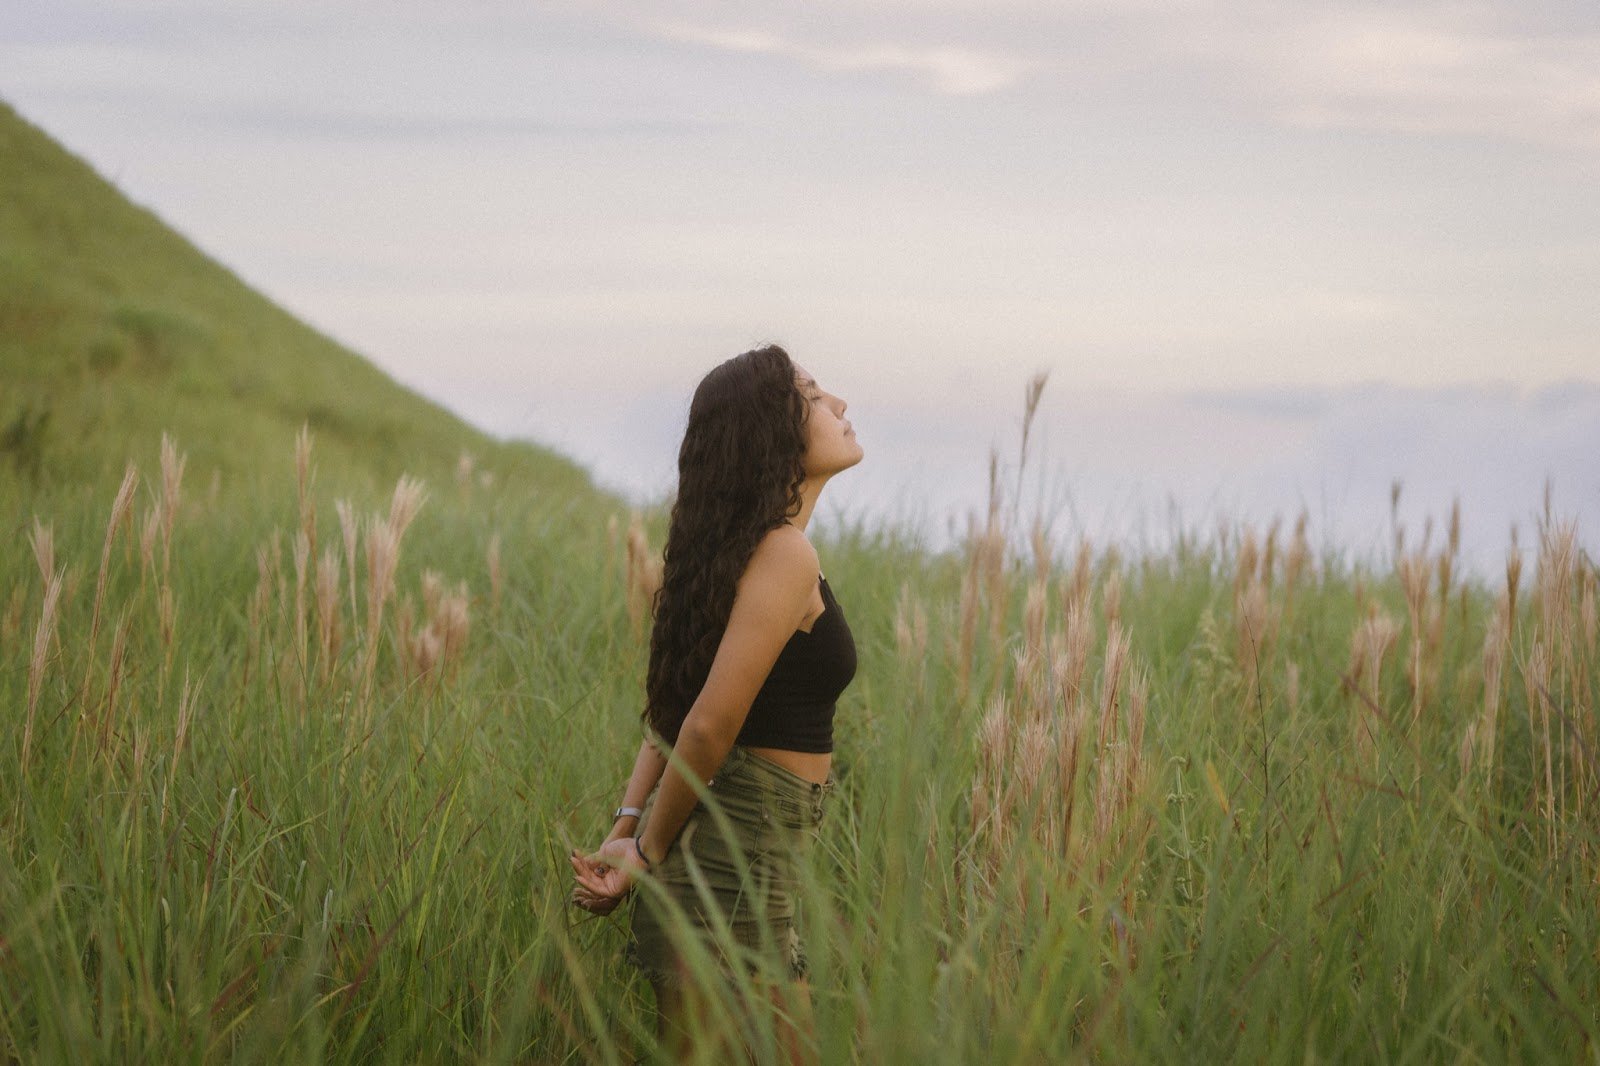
(1484, 729)
(121, 505)
(497, 575)
(349, 529)
(1295, 561)
(1254, 626)
(1072, 660)
(644, 576)
(302, 622)
(149, 534)
(1245, 562)
(172, 466)
(1077, 592)
(43, 636)
(1269, 553)
(42, 539)
(465, 464)
(1035, 616)
(409, 494)
(1030, 408)
(383, 538)
(1536, 681)
(988, 784)
(1513, 578)
(1111, 594)
(454, 619)
(383, 559)
(302, 479)
(327, 583)
(911, 635)
(1412, 569)
(1372, 640)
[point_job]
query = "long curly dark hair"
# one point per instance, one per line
(739, 475)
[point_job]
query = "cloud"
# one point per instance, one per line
(1402, 72)
(950, 69)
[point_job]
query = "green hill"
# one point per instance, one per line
(114, 328)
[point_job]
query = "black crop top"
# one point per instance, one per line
(794, 709)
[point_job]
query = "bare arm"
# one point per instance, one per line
(772, 599)
(647, 767)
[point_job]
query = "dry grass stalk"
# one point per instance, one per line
(328, 637)
(302, 468)
(172, 466)
(1372, 640)
(1111, 596)
(1269, 554)
(1072, 661)
(435, 649)
(1077, 593)
(644, 576)
(1255, 632)
(1413, 571)
(1536, 680)
(43, 637)
(1043, 560)
(115, 674)
(497, 575)
(149, 534)
(1245, 563)
(383, 538)
(967, 638)
(911, 634)
(121, 507)
(42, 538)
(302, 623)
(1478, 749)
(1295, 562)
(186, 704)
(348, 528)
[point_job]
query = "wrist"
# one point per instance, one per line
(646, 851)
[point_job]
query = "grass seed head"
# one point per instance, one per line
(43, 540)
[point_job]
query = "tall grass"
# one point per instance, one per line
(285, 788)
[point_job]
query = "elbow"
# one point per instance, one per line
(704, 732)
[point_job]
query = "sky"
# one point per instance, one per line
(1274, 256)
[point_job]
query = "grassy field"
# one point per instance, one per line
(298, 745)
(302, 782)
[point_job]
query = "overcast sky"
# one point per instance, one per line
(1273, 254)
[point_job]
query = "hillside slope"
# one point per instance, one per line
(114, 328)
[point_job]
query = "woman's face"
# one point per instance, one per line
(830, 440)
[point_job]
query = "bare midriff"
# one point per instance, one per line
(813, 766)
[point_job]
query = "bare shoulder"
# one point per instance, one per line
(785, 554)
(783, 568)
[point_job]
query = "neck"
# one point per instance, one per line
(810, 489)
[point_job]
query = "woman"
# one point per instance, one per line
(748, 652)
